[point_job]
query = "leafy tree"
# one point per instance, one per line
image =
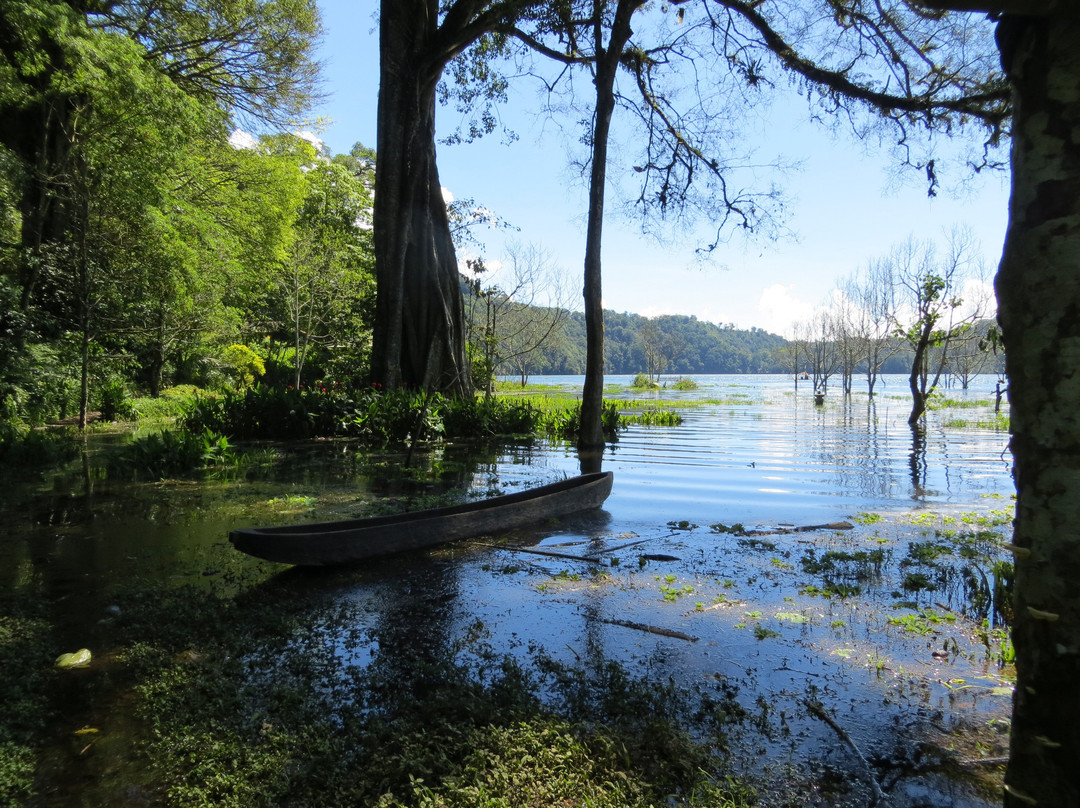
(324, 281)
(97, 104)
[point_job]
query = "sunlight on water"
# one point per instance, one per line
(778, 457)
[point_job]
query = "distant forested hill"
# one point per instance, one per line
(683, 344)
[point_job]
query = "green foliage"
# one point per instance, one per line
(245, 365)
(651, 418)
(642, 381)
(115, 403)
(866, 518)
(170, 405)
(924, 623)
(274, 413)
(562, 420)
(119, 118)
(371, 415)
(27, 649)
(684, 383)
(488, 417)
(736, 528)
(172, 453)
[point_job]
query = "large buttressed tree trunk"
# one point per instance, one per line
(1038, 288)
(419, 338)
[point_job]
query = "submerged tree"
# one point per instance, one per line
(941, 299)
(872, 291)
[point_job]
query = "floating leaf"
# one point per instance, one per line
(77, 659)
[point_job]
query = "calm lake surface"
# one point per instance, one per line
(768, 455)
(660, 586)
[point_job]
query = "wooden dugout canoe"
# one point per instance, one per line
(351, 540)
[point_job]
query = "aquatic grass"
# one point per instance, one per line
(924, 623)
(865, 518)
(942, 403)
(172, 453)
(245, 705)
(762, 633)
(292, 504)
(652, 418)
(998, 422)
(925, 552)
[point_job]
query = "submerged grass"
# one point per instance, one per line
(244, 702)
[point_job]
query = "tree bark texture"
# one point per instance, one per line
(419, 337)
(1038, 287)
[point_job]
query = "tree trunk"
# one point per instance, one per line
(419, 335)
(1038, 287)
(591, 436)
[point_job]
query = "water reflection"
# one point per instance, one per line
(917, 462)
(757, 453)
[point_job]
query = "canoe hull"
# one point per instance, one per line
(348, 541)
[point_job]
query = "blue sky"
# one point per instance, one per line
(847, 204)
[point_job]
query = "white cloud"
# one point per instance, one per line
(779, 309)
(313, 139)
(447, 195)
(240, 139)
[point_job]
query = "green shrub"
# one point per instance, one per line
(244, 364)
(381, 418)
(170, 405)
(115, 402)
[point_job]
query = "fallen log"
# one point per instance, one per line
(663, 632)
(549, 553)
(799, 529)
(817, 709)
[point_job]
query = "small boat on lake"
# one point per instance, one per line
(351, 540)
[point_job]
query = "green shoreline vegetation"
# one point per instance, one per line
(187, 428)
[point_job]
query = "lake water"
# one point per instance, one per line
(768, 454)
(673, 596)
